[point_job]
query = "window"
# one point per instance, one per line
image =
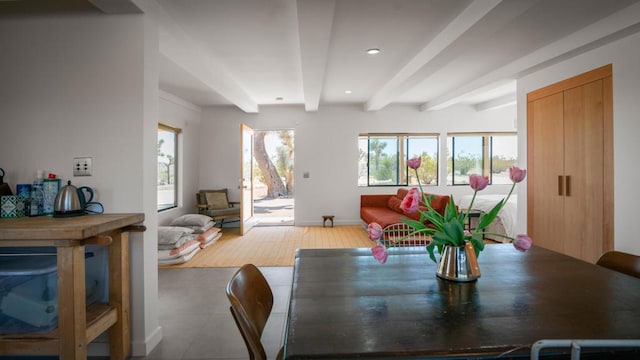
(489, 155)
(167, 175)
(383, 159)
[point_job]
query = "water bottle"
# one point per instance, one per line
(37, 196)
(35, 206)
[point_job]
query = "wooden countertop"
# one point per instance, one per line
(77, 325)
(63, 229)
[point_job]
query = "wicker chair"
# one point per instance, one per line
(399, 235)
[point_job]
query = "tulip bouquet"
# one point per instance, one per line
(448, 228)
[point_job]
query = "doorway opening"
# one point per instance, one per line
(273, 180)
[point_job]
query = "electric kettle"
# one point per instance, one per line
(71, 201)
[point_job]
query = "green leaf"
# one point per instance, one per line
(486, 219)
(452, 233)
(427, 199)
(477, 242)
(435, 219)
(450, 211)
(416, 225)
(430, 251)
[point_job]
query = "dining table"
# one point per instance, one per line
(346, 305)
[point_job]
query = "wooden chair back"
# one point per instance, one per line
(622, 262)
(251, 302)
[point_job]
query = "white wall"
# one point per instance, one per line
(79, 86)
(624, 54)
(183, 115)
(326, 146)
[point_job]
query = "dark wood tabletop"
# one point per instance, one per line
(345, 305)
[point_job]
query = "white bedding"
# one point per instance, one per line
(508, 215)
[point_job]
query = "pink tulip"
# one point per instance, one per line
(414, 163)
(380, 253)
(410, 202)
(516, 174)
(478, 182)
(522, 242)
(375, 231)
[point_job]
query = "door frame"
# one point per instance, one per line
(246, 179)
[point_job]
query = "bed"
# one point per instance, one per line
(505, 222)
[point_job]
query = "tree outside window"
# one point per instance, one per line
(489, 155)
(167, 148)
(383, 159)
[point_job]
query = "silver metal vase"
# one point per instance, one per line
(458, 263)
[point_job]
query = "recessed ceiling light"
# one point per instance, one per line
(373, 51)
(348, 91)
(279, 98)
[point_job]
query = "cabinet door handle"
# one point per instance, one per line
(560, 185)
(568, 186)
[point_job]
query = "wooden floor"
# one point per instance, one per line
(274, 245)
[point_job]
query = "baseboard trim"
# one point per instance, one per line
(145, 348)
(335, 222)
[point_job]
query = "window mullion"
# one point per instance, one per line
(486, 165)
(402, 161)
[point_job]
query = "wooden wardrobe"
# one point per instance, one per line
(570, 165)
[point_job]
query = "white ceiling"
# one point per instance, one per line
(435, 53)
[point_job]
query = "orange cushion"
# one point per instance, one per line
(394, 204)
(383, 216)
(439, 203)
(402, 192)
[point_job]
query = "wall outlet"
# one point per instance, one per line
(82, 166)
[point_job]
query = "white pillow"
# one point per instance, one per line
(192, 220)
(200, 229)
(171, 234)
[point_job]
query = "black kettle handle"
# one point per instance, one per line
(89, 190)
(1, 176)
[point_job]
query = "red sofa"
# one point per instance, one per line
(385, 209)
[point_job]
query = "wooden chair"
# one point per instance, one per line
(622, 262)
(216, 204)
(251, 302)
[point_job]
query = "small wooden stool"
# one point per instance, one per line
(325, 218)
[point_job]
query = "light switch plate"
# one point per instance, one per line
(82, 166)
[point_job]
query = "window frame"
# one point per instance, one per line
(402, 140)
(176, 133)
(487, 153)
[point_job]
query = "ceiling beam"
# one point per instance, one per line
(178, 47)
(116, 6)
(617, 25)
(315, 21)
(500, 88)
(452, 32)
(506, 100)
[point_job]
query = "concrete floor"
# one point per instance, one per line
(195, 317)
